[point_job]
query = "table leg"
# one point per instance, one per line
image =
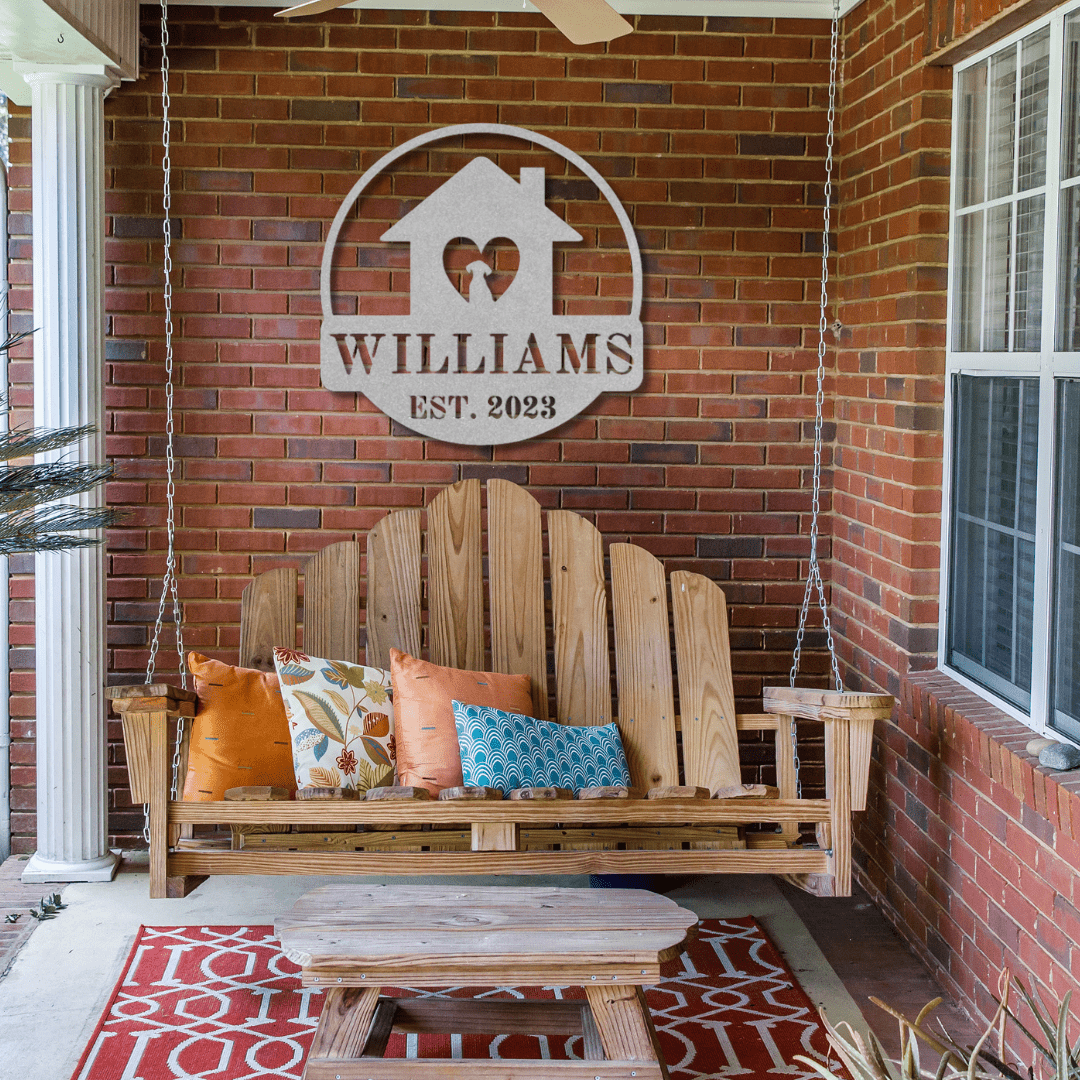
(345, 1022)
(626, 1028)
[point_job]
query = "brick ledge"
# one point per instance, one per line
(997, 742)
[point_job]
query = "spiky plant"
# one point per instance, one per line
(1052, 1057)
(31, 519)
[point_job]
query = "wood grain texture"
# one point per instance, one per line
(497, 836)
(258, 793)
(137, 690)
(393, 587)
(466, 1016)
(786, 780)
(137, 750)
(861, 742)
(344, 1022)
(382, 1027)
(516, 588)
(625, 1026)
(524, 794)
(838, 791)
(793, 861)
(643, 663)
(470, 794)
(332, 602)
(579, 614)
(158, 799)
(706, 695)
(375, 840)
(425, 933)
(823, 704)
(537, 812)
(448, 1069)
(267, 617)
(455, 589)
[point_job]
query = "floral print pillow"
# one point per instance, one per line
(341, 720)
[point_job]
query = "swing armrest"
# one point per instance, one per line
(152, 697)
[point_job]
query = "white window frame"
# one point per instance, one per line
(1047, 366)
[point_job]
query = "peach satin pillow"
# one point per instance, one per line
(427, 742)
(240, 735)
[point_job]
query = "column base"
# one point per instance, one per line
(43, 870)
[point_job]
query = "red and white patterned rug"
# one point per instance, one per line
(221, 1002)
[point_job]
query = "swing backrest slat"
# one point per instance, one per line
(643, 663)
(579, 617)
(710, 742)
(455, 577)
(516, 588)
(332, 602)
(267, 617)
(393, 587)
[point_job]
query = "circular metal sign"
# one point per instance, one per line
(465, 366)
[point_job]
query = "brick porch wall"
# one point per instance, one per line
(966, 844)
(712, 134)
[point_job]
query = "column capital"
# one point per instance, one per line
(68, 74)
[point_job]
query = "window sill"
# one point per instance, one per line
(977, 739)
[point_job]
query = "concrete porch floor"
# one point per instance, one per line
(57, 984)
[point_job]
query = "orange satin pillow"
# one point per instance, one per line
(240, 735)
(427, 742)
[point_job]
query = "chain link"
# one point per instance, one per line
(169, 586)
(814, 582)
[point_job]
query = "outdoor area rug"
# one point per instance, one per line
(221, 1002)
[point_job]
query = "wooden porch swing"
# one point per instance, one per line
(687, 811)
(669, 822)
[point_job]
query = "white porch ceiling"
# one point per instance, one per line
(771, 9)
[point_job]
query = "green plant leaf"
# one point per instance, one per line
(321, 714)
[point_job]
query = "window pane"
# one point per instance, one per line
(1065, 676)
(1029, 274)
(1002, 138)
(992, 556)
(967, 282)
(971, 142)
(1034, 99)
(1068, 299)
(1070, 126)
(996, 303)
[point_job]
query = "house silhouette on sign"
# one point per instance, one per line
(482, 203)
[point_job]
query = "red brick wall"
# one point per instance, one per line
(966, 845)
(711, 133)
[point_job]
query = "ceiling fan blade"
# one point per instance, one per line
(585, 21)
(311, 7)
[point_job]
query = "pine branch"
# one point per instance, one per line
(24, 486)
(50, 528)
(24, 442)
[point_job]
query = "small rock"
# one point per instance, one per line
(1037, 746)
(1060, 756)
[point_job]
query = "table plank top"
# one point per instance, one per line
(432, 935)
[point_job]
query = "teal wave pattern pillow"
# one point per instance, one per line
(507, 750)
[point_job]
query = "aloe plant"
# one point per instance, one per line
(1052, 1057)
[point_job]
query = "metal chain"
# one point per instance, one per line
(813, 579)
(169, 582)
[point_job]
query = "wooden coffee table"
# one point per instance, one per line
(354, 939)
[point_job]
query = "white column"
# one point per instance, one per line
(69, 359)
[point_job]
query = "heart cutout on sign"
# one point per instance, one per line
(465, 264)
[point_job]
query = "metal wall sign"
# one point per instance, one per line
(465, 366)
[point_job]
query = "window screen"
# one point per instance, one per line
(992, 556)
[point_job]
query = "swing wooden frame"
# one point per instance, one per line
(676, 827)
